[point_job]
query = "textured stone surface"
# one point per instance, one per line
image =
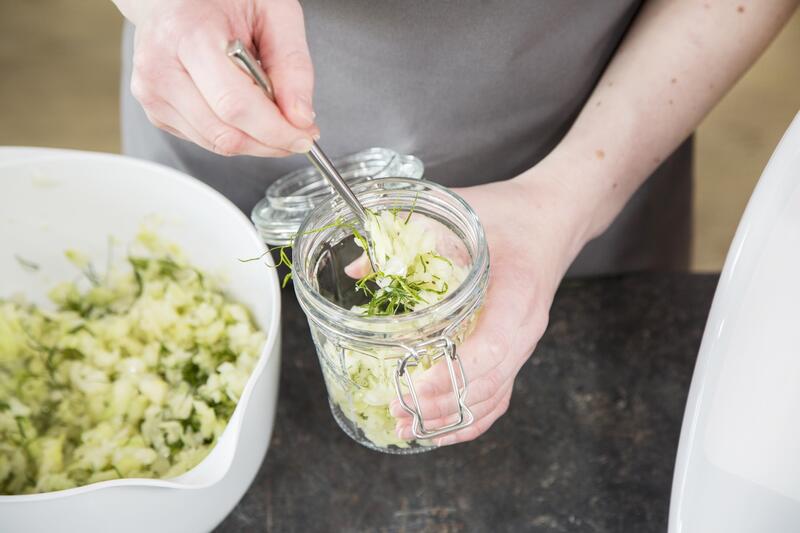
(588, 444)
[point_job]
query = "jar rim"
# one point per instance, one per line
(288, 200)
(476, 277)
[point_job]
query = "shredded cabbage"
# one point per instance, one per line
(135, 375)
(405, 249)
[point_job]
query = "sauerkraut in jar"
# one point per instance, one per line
(376, 332)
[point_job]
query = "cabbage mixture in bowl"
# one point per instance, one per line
(133, 374)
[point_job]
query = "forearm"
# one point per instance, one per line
(676, 62)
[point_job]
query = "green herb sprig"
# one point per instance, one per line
(389, 294)
(283, 256)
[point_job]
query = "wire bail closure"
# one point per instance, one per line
(434, 348)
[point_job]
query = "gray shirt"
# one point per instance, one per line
(479, 90)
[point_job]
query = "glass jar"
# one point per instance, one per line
(290, 198)
(368, 361)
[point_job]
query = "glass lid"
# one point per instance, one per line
(290, 198)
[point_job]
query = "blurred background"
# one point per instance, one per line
(60, 60)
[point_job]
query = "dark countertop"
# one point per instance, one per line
(588, 443)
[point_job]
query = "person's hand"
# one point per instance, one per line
(533, 232)
(188, 86)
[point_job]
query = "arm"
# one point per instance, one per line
(677, 60)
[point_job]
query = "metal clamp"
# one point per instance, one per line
(434, 349)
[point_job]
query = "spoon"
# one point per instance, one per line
(242, 57)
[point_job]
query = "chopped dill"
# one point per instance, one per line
(389, 294)
(283, 259)
(283, 256)
(411, 211)
(399, 295)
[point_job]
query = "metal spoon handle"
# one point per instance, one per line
(238, 52)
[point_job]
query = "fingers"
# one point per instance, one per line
(480, 390)
(191, 115)
(479, 427)
(479, 410)
(284, 54)
(491, 356)
(166, 118)
(483, 356)
(234, 98)
(358, 268)
(491, 365)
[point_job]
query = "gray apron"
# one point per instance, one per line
(479, 90)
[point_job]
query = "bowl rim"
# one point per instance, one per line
(25, 155)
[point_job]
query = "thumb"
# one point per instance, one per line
(282, 47)
(359, 267)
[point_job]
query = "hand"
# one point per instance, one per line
(189, 87)
(533, 233)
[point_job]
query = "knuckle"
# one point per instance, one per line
(143, 91)
(146, 69)
(442, 407)
(228, 142)
(229, 107)
(498, 344)
(154, 121)
(144, 65)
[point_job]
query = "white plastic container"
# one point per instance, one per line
(51, 200)
(738, 464)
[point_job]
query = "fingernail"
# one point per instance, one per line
(315, 136)
(303, 110)
(300, 146)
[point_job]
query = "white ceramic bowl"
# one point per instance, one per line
(51, 200)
